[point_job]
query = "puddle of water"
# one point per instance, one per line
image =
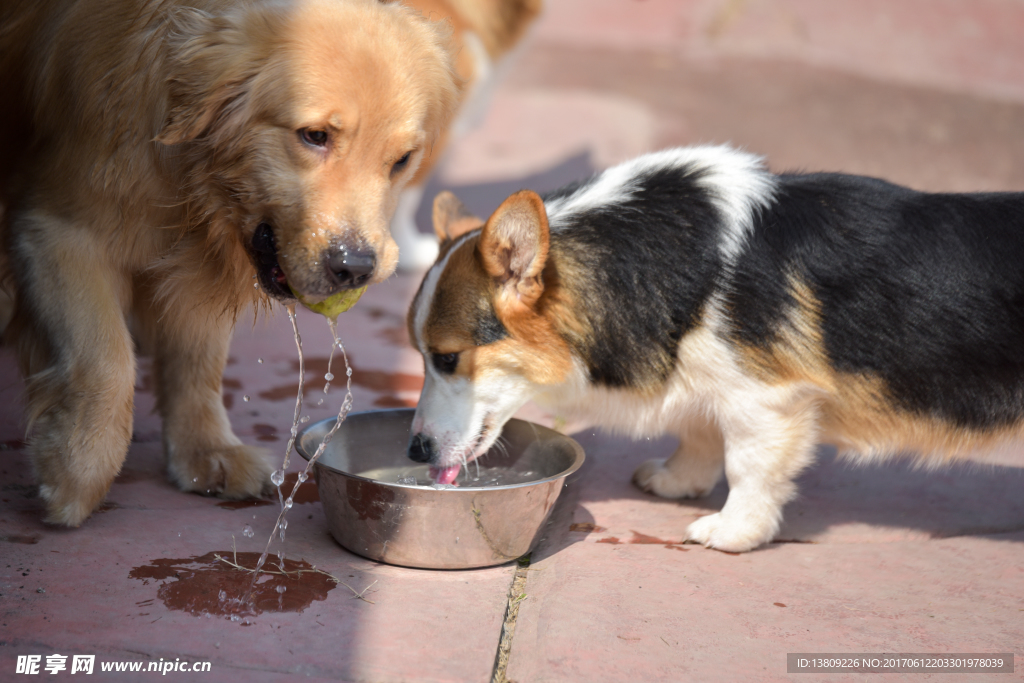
(307, 491)
(23, 540)
(207, 585)
(241, 504)
(374, 380)
(395, 402)
(638, 539)
(265, 432)
(395, 336)
(281, 393)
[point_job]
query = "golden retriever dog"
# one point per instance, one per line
(159, 157)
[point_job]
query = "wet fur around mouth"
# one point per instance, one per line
(754, 315)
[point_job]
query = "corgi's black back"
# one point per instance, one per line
(923, 292)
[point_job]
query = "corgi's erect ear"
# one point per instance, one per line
(514, 247)
(451, 217)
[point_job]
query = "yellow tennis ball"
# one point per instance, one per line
(335, 304)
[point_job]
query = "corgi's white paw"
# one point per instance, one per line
(693, 482)
(729, 533)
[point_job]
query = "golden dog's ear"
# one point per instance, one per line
(212, 66)
(514, 248)
(451, 218)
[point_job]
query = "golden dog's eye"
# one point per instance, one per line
(314, 137)
(445, 363)
(401, 163)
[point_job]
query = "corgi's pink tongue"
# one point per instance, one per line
(444, 475)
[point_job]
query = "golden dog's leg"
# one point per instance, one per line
(693, 470)
(78, 360)
(765, 449)
(203, 454)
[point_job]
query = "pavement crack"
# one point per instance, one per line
(516, 595)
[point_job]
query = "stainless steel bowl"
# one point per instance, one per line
(421, 526)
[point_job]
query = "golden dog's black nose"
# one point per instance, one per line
(351, 268)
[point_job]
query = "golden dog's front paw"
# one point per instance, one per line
(68, 506)
(654, 477)
(233, 472)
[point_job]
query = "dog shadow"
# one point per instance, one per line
(838, 499)
(483, 198)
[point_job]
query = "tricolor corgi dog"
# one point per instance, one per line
(692, 292)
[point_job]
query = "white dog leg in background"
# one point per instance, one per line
(416, 250)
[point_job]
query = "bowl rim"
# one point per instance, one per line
(577, 462)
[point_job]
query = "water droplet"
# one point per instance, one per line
(303, 477)
(327, 387)
(280, 533)
(287, 504)
(222, 596)
(255, 285)
(407, 481)
(246, 398)
(329, 376)
(320, 402)
(305, 419)
(284, 523)
(277, 477)
(260, 361)
(348, 371)
(195, 480)
(247, 531)
(235, 618)
(281, 589)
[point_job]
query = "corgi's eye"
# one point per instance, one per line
(313, 137)
(445, 363)
(401, 164)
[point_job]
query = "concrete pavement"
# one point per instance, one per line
(871, 559)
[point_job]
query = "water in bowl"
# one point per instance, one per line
(469, 477)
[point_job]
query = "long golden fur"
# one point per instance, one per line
(143, 143)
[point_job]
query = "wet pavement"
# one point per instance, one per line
(884, 558)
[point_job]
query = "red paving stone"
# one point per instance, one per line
(875, 558)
